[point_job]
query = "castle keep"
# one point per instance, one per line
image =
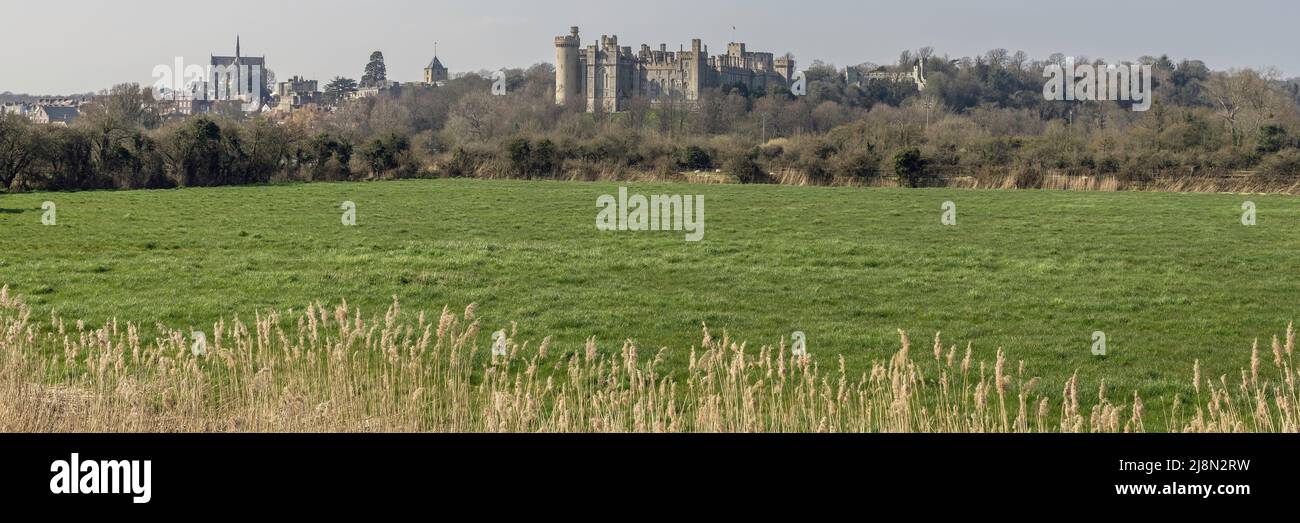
(607, 76)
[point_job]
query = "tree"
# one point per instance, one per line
(909, 166)
(193, 152)
(268, 147)
(1244, 100)
(127, 105)
(544, 158)
(376, 72)
(15, 148)
(386, 152)
(338, 89)
(471, 117)
(743, 166)
(64, 161)
(113, 123)
(521, 155)
(695, 157)
(332, 156)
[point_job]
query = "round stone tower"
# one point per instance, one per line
(567, 80)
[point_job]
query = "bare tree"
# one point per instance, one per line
(471, 116)
(1244, 98)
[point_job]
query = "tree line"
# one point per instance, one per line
(977, 115)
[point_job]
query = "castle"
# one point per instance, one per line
(608, 76)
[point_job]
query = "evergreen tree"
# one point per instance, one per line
(376, 72)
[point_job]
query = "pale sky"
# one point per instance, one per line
(83, 45)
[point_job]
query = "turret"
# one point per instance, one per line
(567, 80)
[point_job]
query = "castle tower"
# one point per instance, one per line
(785, 67)
(606, 78)
(695, 70)
(567, 72)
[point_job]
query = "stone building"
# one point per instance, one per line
(607, 76)
(435, 73)
(238, 78)
(860, 76)
(296, 93)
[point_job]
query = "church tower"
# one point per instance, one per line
(435, 73)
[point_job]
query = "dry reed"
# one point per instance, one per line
(330, 370)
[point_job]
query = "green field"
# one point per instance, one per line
(1170, 278)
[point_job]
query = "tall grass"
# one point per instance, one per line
(331, 370)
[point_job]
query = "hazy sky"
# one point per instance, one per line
(83, 45)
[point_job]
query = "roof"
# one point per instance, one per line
(61, 114)
(243, 60)
(435, 64)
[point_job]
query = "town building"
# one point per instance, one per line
(16, 108)
(381, 86)
(55, 115)
(860, 76)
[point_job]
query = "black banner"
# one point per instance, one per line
(304, 474)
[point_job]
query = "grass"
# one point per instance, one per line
(1171, 278)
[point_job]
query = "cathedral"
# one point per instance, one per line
(607, 76)
(238, 78)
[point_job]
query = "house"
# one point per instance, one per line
(15, 108)
(368, 92)
(55, 115)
